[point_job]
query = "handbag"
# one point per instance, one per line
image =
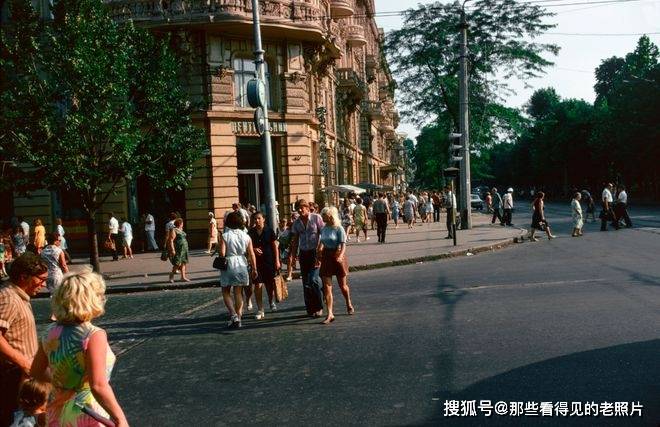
(281, 288)
(109, 244)
(220, 263)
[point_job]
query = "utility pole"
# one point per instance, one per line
(465, 204)
(266, 145)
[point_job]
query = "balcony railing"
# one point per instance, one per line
(301, 15)
(341, 8)
(373, 109)
(355, 35)
(349, 80)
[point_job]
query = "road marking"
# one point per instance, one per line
(515, 285)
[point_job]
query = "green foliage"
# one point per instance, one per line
(424, 56)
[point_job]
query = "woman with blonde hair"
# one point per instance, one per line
(78, 355)
(39, 235)
(332, 252)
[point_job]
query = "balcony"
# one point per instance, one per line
(341, 9)
(351, 84)
(373, 109)
(387, 130)
(278, 17)
(355, 35)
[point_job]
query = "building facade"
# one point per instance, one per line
(330, 96)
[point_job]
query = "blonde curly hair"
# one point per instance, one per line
(80, 298)
(332, 213)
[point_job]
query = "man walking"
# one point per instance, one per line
(435, 198)
(507, 204)
(305, 233)
(621, 207)
(450, 205)
(150, 231)
(607, 214)
(382, 214)
(497, 207)
(18, 333)
(113, 234)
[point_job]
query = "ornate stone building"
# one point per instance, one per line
(330, 94)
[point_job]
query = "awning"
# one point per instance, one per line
(344, 188)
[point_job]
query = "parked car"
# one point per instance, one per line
(476, 202)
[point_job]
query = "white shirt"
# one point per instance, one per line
(127, 229)
(113, 225)
(452, 198)
(169, 226)
(623, 197)
(508, 201)
(149, 224)
(26, 228)
(607, 196)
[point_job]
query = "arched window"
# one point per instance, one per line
(244, 70)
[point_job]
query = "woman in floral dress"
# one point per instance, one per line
(79, 357)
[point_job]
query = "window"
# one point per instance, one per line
(245, 70)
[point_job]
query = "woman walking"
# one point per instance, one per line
(236, 247)
(576, 210)
(59, 229)
(347, 217)
(360, 219)
(409, 211)
(53, 256)
(78, 356)
(177, 247)
(265, 247)
(332, 250)
(538, 218)
(39, 235)
(213, 232)
(394, 208)
(126, 231)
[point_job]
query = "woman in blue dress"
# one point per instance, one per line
(394, 208)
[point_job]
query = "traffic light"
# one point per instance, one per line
(455, 148)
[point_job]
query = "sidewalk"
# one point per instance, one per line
(426, 242)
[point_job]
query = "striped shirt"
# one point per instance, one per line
(17, 320)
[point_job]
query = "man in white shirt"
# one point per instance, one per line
(235, 207)
(607, 214)
(507, 206)
(150, 231)
(113, 234)
(450, 205)
(621, 206)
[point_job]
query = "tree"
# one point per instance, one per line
(88, 103)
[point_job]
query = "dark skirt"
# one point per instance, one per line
(537, 222)
(330, 266)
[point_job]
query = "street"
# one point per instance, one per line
(567, 320)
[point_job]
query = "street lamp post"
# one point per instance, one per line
(465, 204)
(266, 145)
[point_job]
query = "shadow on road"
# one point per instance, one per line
(624, 373)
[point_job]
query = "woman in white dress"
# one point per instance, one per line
(236, 246)
(576, 210)
(127, 237)
(53, 255)
(213, 232)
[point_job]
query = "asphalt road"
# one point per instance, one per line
(567, 320)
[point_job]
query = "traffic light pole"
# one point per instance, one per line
(465, 203)
(266, 145)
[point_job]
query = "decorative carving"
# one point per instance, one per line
(295, 77)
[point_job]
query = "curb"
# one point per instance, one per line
(212, 283)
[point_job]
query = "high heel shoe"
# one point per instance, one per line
(328, 320)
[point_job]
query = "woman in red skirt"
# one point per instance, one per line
(332, 252)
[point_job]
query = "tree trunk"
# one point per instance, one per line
(93, 242)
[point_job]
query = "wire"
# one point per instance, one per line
(602, 34)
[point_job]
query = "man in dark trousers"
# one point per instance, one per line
(382, 214)
(450, 205)
(435, 199)
(607, 214)
(497, 206)
(621, 206)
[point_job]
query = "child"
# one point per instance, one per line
(32, 399)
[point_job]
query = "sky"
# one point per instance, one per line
(572, 76)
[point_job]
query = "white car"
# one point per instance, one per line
(476, 202)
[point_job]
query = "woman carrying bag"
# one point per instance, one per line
(265, 249)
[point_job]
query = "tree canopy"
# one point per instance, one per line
(87, 103)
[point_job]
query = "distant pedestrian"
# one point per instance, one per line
(409, 211)
(589, 203)
(437, 204)
(507, 207)
(59, 229)
(236, 207)
(53, 256)
(212, 233)
(26, 229)
(284, 246)
(497, 207)
(576, 213)
(236, 247)
(382, 214)
(347, 217)
(395, 208)
(265, 247)
(18, 332)
(39, 235)
(126, 231)
(177, 247)
(150, 231)
(621, 207)
(113, 234)
(360, 219)
(489, 202)
(428, 208)
(75, 355)
(18, 239)
(450, 207)
(332, 251)
(538, 218)
(5, 255)
(607, 212)
(306, 231)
